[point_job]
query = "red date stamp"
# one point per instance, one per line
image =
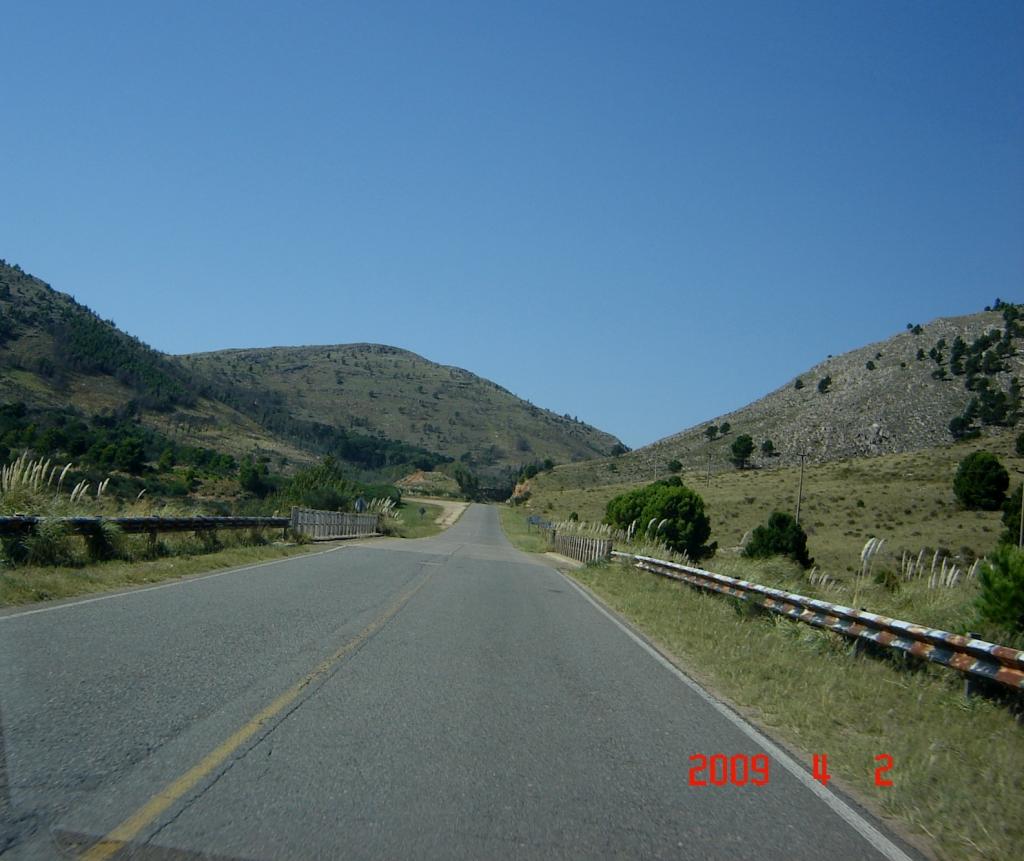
(737, 770)
(740, 769)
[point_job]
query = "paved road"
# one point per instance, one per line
(442, 698)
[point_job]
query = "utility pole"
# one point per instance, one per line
(800, 492)
(1020, 536)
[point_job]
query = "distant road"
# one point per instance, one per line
(442, 698)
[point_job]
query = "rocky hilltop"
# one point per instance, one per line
(892, 396)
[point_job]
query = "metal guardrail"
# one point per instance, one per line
(977, 658)
(23, 524)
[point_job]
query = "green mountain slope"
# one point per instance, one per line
(375, 407)
(378, 389)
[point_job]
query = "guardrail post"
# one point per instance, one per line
(972, 687)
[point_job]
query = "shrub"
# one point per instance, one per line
(674, 466)
(981, 481)
(783, 536)
(1018, 445)
(799, 384)
(1001, 601)
(824, 383)
(677, 511)
(961, 427)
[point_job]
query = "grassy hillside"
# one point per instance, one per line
(377, 389)
(905, 498)
(57, 355)
(381, 411)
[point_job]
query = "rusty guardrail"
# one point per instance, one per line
(977, 658)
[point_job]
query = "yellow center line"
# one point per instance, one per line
(130, 828)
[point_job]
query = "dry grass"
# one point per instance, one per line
(411, 524)
(527, 538)
(26, 584)
(906, 499)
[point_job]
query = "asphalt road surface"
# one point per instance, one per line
(443, 698)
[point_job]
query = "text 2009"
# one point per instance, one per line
(739, 769)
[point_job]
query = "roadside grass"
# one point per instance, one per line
(906, 499)
(958, 764)
(184, 556)
(411, 524)
(527, 538)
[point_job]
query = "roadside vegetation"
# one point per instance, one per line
(958, 763)
(958, 770)
(923, 533)
(52, 562)
(417, 519)
(181, 557)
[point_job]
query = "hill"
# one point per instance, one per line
(76, 383)
(60, 359)
(894, 396)
(377, 389)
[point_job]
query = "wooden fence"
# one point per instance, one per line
(325, 525)
(581, 548)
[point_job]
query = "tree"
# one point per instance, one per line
(783, 536)
(252, 476)
(711, 431)
(869, 365)
(469, 484)
(799, 384)
(768, 448)
(1011, 518)
(130, 455)
(676, 512)
(824, 383)
(981, 481)
(1001, 601)
(742, 448)
(961, 428)
(674, 466)
(166, 462)
(618, 449)
(724, 428)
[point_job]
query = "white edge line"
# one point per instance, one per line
(184, 581)
(866, 830)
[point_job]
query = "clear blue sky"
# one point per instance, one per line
(644, 214)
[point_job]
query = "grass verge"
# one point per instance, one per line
(958, 764)
(412, 524)
(527, 538)
(27, 584)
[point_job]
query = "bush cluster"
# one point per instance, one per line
(675, 512)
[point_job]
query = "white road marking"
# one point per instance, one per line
(866, 830)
